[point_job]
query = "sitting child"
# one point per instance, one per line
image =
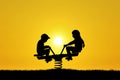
(78, 42)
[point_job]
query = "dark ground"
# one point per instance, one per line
(60, 74)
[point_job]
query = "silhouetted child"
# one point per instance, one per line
(43, 49)
(78, 42)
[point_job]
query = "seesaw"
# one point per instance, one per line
(57, 57)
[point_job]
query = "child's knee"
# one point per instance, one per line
(68, 48)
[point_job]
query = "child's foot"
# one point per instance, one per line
(69, 58)
(48, 60)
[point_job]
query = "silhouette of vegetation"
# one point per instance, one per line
(61, 74)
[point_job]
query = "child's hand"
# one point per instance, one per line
(65, 45)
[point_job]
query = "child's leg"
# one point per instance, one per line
(69, 49)
(47, 55)
(47, 52)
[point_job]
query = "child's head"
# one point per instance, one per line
(45, 37)
(76, 33)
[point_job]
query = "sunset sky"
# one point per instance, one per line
(23, 21)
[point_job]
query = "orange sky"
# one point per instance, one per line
(23, 21)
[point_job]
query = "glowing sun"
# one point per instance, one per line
(57, 40)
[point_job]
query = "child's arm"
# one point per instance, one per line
(70, 43)
(47, 46)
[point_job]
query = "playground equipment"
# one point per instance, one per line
(57, 57)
